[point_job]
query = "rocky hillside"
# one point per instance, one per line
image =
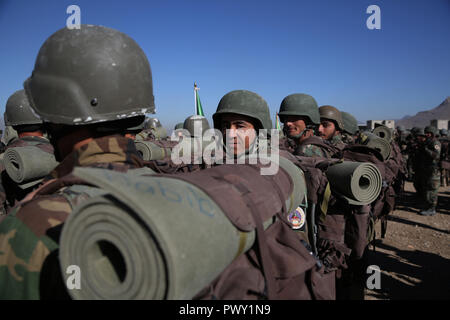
(423, 118)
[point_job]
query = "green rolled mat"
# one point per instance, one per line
(384, 133)
(375, 142)
(358, 182)
(26, 164)
(152, 238)
(151, 151)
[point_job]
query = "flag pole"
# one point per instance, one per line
(195, 98)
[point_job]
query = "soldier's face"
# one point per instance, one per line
(421, 138)
(239, 132)
(293, 125)
(327, 129)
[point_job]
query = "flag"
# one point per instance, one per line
(277, 121)
(198, 104)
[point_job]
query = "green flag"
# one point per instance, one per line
(277, 122)
(198, 104)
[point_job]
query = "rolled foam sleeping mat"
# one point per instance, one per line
(154, 237)
(358, 182)
(375, 142)
(151, 151)
(383, 132)
(24, 164)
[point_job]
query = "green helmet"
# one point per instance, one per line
(333, 114)
(401, 128)
(432, 130)
(193, 121)
(443, 132)
(350, 123)
(152, 123)
(414, 130)
(18, 111)
(299, 104)
(179, 126)
(90, 75)
(245, 103)
(419, 132)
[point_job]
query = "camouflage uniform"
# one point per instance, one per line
(444, 163)
(428, 173)
(314, 147)
(29, 233)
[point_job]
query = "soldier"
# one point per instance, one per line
(30, 133)
(239, 116)
(196, 122)
(412, 144)
(428, 170)
(300, 115)
(331, 126)
(351, 129)
(86, 121)
(444, 162)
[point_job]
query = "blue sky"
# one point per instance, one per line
(274, 48)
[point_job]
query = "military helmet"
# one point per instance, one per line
(179, 126)
(18, 111)
(333, 114)
(152, 123)
(193, 121)
(245, 103)
(401, 129)
(90, 75)
(419, 131)
(443, 132)
(299, 104)
(350, 123)
(432, 130)
(414, 130)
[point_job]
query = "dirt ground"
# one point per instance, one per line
(414, 257)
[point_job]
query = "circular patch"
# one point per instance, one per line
(297, 218)
(436, 146)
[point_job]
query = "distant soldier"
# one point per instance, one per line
(152, 130)
(30, 133)
(350, 131)
(300, 115)
(444, 163)
(428, 177)
(412, 144)
(331, 126)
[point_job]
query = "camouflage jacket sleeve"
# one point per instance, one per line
(28, 235)
(433, 150)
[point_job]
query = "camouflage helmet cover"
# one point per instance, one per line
(90, 75)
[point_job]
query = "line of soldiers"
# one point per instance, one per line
(425, 151)
(88, 96)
